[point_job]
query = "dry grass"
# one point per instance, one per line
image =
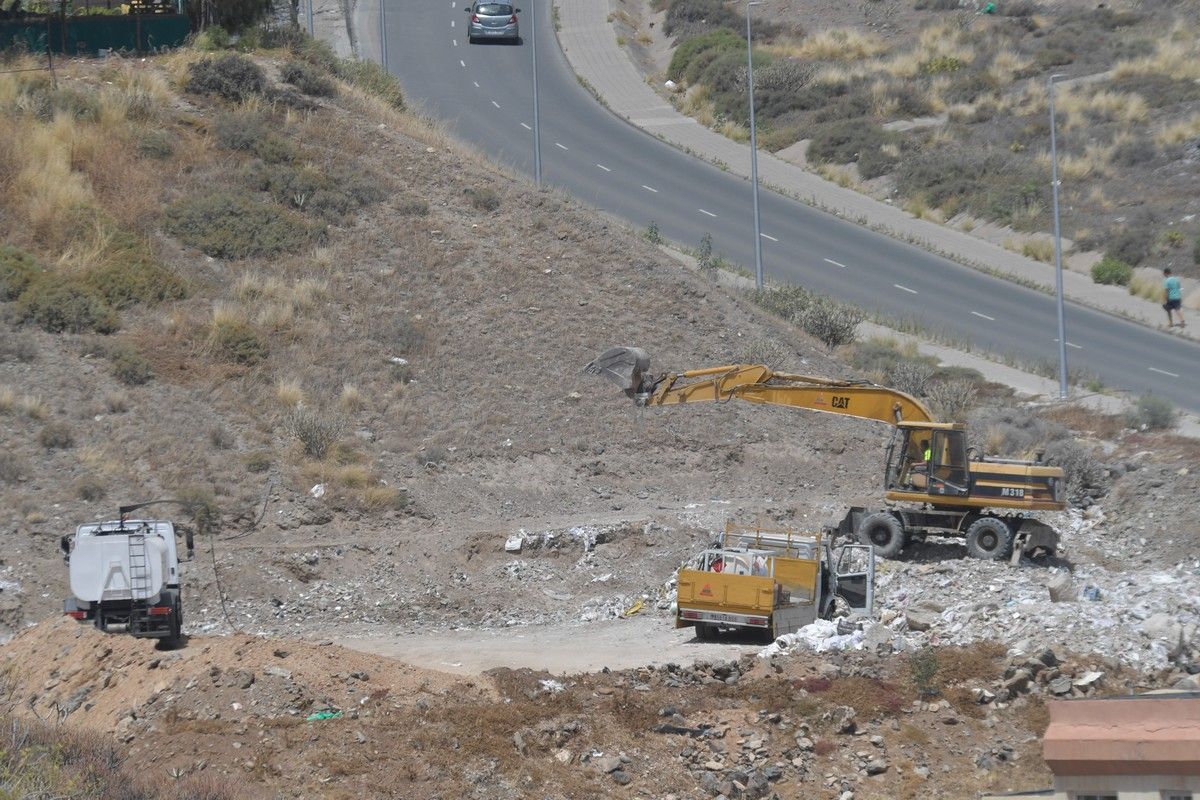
(1179, 132)
(351, 398)
(381, 498)
(1094, 162)
(8, 399)
(846, 177)
(289, 392)
(1006, 65)
(1146, 284)
(835, 44)
(30, 406)
(354, 476)
(1081, 108)
(1039, 249)
(1176, 55)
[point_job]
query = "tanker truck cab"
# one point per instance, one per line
(125, 577)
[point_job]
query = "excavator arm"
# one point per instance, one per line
(629, 368)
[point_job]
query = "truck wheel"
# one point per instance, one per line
(989, 538)
(884, 531)
(705, 632)
(176, 638)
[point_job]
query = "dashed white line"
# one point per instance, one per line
(772, 238)
(451, 23)
(463, 64)
(1162, 372)
(497, 105)
(835, 263)
(560, 145)
(905, 288)
(649, 188)
(455, 42)
(526, 127)
(606, 169)
(474, 82)
(1069, 344)
(984, 316)
(702, 211)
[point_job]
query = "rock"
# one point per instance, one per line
(1088, 680)
(713, 766)
(621, 776)
(1060, 685)
(877, 766)
(1061, 588)
(1190, 683)
(920, 619)
(1162, 626)
(607, 763)
(983, 696)
(1019, 681)
(921, 772)
(522, 748)
(563, 756)
(278, 672)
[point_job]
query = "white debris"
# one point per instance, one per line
(819, 637)
(552, 686)
(317, 491)
(514, 542)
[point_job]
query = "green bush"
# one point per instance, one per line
(831, 322)
(483, 198)
(307, 79)
(126, 282)
(989, 183)
(785, 302)
(316, 431)
(412, 208)
(128, 366)
(1132, 152)
(211, 39)
(257, 461)
(365, 75)
(690, 16)
(230, 225)
(237, 341)
(232, 77)
(715, 40)
(329, 193)
(239, 130)
(853, 140)
(1133, 244)
(1112, 271)
(56, 436)
(1152, 413)
(61, 304)
(155, 144)
(941, 65)
(89, 488)
(17, 271)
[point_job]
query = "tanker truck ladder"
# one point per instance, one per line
(139, 581)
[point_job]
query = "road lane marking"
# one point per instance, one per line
(497, 105)
(560, 145)
(905, 288)
(772, 238)
(1162, 372)
(984, 316)
(1069, 344)
(649, 188)
(835, 263)
(474, 82)
(463, 64)
(451, 23)
(606, 169)
(526, 127)
(702, 211)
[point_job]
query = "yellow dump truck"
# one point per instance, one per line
(774, 580)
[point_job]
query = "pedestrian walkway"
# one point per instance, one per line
(590, 44)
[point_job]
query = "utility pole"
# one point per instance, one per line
(383, 57)
(309, 11)
(1058, 269)
(758, 267)
(537, 127)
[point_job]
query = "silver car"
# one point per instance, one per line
(492, 21)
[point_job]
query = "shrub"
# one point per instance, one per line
(412, 208)
(89, 488)
(201, 505)
(131, 277)
(911, 376)
(307, 79)
(953, 398)
(56, 436)
(1112, 271)
(329, 193)
(61, 304)
(11, 467)
(116, 402)
(212, 38)
(231, 77)
(987, 183)
(239, 130)
(155, 144)
(235, 340)
(17, 271)
(783, 301)
(220, 437)
(16, 346)
(257, 461)
(315, 430)
(1132, 152)
(129, 367)
(230, 225)
(483, 199)
(831, 322)
(384, 498)
(769, 352)
(936, 5)
(941, 64)
(1082, 471)
(923, 665)
(715, 41)
(1132, 245)
(1152, 413)
(698, 15)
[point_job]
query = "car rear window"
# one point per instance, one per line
(493, 9)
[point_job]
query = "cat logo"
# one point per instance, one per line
(706, 591)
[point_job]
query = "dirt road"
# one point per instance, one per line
(616, 644)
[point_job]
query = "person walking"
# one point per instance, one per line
(1173, 294)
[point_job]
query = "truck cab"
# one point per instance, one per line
(773, 580)
(125, 577)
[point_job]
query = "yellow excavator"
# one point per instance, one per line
(947, 488)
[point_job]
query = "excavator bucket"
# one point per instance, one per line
(624, 366)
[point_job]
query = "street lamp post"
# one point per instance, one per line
(758, 267)
(383, 57)
(309, 13)
(1058, 270)
(537, 128)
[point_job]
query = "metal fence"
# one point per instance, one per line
(90, 35)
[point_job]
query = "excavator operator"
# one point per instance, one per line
(918, 471)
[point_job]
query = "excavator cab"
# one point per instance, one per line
(928, 459)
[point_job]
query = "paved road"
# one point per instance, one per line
(484, 92)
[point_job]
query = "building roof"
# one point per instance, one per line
(1134, 735)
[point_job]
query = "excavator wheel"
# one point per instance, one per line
(883, 530)
(989, 538)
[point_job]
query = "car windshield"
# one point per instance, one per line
(493, 9)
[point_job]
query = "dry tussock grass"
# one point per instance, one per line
(1179, 132)
(27, 405)
(837, 44)
(351, 398)
(289, 392)
(1006, 65)
(1080, 109)
(846, 177)
(1176, 55)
